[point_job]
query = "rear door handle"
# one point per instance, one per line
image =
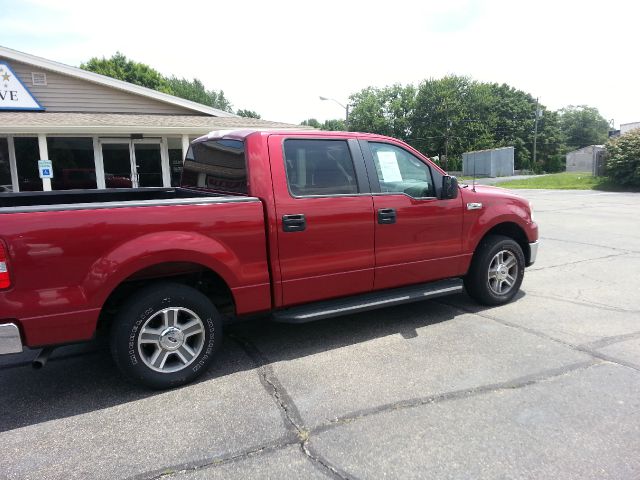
(386, 216)
(294, 223)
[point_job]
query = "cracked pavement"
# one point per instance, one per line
(545, 387)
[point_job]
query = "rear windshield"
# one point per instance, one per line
(216, 165)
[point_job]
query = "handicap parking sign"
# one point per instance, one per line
(46, 168)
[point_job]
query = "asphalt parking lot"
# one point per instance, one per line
(545, 387)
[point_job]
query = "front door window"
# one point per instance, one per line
(5, 168)
(148, 164)
(132, 163)
(116, 158)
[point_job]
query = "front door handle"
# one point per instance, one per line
(386, 216)
(294, 223)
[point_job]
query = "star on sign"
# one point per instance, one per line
(5, 77)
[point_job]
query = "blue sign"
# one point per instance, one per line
(45, 168)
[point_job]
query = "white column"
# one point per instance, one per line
(185, 146)
(44, 155)
(13, 166)
(164, 157)
(97, 158)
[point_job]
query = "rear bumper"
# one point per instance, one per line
(533, 252)
(10, 340)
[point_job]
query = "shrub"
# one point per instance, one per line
(623, 164)
(554, 164)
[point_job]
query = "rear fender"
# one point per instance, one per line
(145, 251)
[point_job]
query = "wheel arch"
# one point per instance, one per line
(512, 230)
(185, 257)
(195, 275)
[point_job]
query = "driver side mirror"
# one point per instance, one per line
(449, 187)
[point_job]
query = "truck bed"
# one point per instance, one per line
(113, 198)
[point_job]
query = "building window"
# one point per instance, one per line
(38, 78)
(5, 167)
(73, 163)
(27, 156)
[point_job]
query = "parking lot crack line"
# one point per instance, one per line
(190, 467)
(626, 250)
(517, 383)
(318, 459)
(600, 306)
(288, 408)
(273, 386)
(610, 359)
(536, 269)
(583, 349)
(606, 341)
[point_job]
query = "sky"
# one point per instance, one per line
(277, 57)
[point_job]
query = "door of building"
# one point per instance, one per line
(132, 163)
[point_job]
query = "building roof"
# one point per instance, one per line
(110, 82)
(122, 123)
(585, 149)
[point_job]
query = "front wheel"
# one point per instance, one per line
(496, 272)
(165, 335)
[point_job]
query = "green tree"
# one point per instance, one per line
(337, 125)
(386, 111)
(456, 114)
(122, 68)
(583, 126)
(450, 118)
(195, 91)
(623, 164)
(311, 122)
(248, 113)
(332, 125)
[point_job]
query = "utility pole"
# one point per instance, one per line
(535, 136)
(346, 120)
(446, 146)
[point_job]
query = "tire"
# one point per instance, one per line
(165, 335)
(496, 271)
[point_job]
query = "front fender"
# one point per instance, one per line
(109, 271)
(498, 207)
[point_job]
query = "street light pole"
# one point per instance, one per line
(346, 109)
(535, 138)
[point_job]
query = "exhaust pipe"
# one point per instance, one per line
(41, 360)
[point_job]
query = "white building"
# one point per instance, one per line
(97, 131)
(627, 127)
(583, 159)
(495, 162)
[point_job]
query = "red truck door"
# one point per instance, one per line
(324, 210)
(417, 235)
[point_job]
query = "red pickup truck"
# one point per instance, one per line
(300, 224)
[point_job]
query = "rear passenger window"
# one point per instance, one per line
(319, 167)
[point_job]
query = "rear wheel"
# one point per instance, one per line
(496, 272)
(165, 335)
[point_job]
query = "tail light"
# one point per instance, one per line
(5, 281)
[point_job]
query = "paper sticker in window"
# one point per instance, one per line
(389, 166)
